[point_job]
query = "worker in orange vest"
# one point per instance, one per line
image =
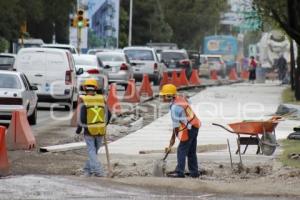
(185, 127)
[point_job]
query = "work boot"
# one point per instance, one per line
(175, 175)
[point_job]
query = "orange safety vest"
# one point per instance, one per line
(192, 119)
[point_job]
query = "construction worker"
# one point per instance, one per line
(93, 119)
(185, 127)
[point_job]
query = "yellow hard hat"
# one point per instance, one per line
(168, 89)
(90, 82)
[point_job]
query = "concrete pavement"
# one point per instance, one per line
(224, 104)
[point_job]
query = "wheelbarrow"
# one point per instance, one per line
(255, 132)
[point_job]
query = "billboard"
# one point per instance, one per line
(104, 21)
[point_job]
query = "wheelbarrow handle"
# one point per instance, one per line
(215, 124)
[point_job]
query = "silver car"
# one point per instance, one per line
(118, 67)
(17, 93)
(89, 66)
(145, 61)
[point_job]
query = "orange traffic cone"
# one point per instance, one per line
(19, 133)
(131, 94)
(112, 99)
(245, 74)
(213, 75)
(145, 88)
(182, 78)
(175, 80)
(233, 75)
(76, 113)
(194, 79)
(165, 79)
(4, 165)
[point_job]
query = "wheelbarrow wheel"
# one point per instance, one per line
(268, 144)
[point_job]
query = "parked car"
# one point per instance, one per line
(145, 61)
(90, 66)
(52, 71)
(7, 61)
(117, 65)
(17, 93)
(176, 60)
(212, 62)
(68, 47)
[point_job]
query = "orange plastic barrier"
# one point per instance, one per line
(145, 88)
(194, 79)
(245, 74)
(19, 133)
(165, 79)
(113, 100)
(233, 75)
(131, 94)
(4, 165)
(175, 80)
(182, 78)
(213, 75)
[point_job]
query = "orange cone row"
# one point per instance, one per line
(181, 80)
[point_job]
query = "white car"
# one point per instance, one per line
(212, 62)
(145, 61)
(52, 71)
(17, 93)
(90, 66)
(117, 65)
(68, 47)
(7, 61)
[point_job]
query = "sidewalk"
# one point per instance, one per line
(223, 105)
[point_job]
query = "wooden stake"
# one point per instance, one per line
(110, 172)
(230, 154)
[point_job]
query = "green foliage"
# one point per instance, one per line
(290, 146)
(123, 36)
(184, 22)
(3, 44)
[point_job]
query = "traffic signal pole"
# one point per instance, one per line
(78, 39)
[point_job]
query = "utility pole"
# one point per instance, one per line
(130, 24)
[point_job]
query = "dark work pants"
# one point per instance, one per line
(188, 149)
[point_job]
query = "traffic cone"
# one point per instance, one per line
(175, 80)
(131, 94)
(213, 75)
(19, 134)
(4, 165)
(145, 88)
(112, 99)
(245, 74)
(233, 75)
(76, 113)
(194, 79)
(183, 79)
(164, 80)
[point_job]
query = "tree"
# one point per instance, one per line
(285, 14)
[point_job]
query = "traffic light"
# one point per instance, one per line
(80, 18)
(86, 22)
(73, 22)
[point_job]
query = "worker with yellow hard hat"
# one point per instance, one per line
(93, 119)
(185, 127)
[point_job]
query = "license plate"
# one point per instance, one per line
(114, 70)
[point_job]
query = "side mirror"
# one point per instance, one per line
(79, 71)
(106, 67)
(33, 87)
(162, 61)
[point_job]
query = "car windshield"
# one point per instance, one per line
(139, 54)
(6, 60)
(10, 81)
(214, 59)
(111, 58)
(173, 56)
(86, 61)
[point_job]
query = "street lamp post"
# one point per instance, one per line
(130, 24)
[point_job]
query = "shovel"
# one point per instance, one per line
(159, 169)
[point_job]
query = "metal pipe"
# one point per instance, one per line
(130, 24)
